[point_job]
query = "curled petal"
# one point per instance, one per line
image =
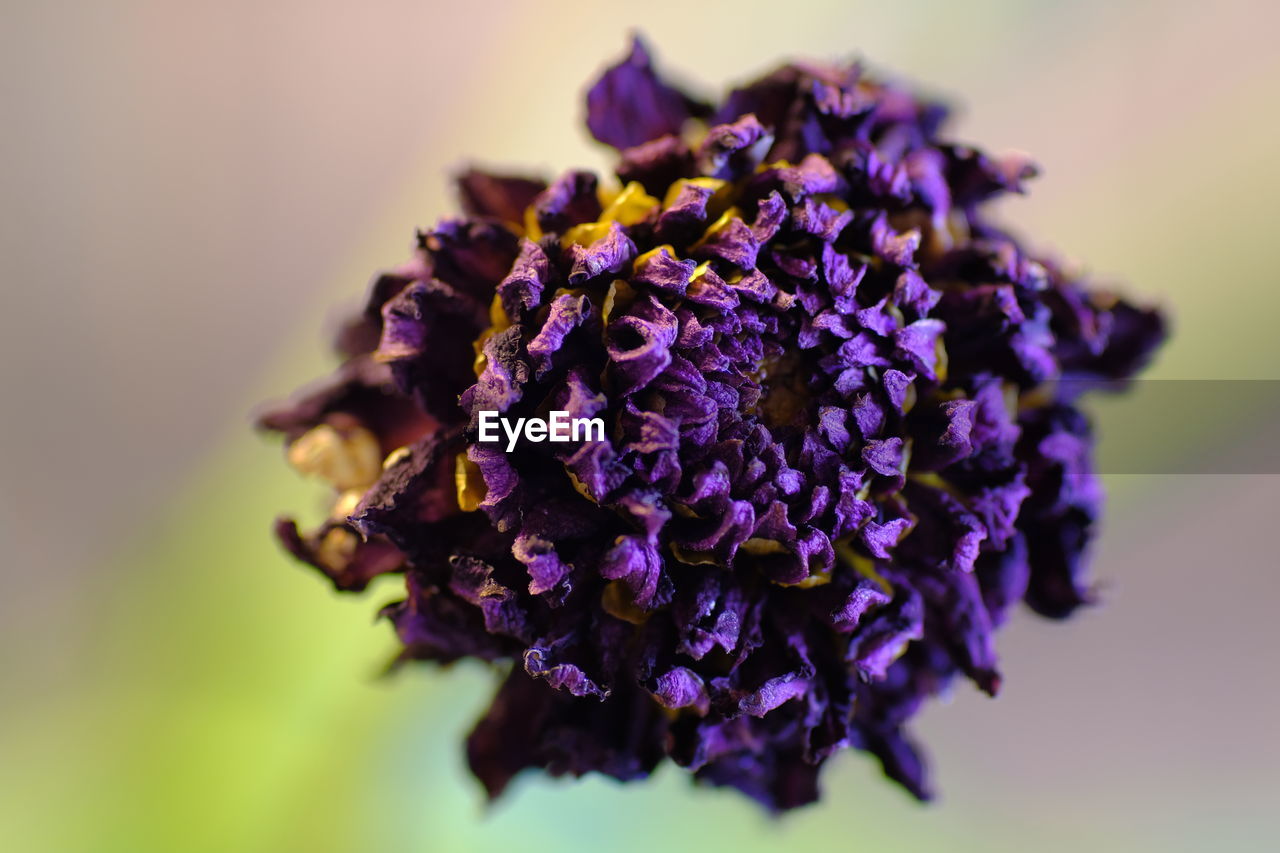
(680, 687)
(610, 254)
(638, 563)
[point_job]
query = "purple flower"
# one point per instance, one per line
(834, 449)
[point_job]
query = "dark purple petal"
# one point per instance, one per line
(734, 242)
(864, 598)
(350, 570)
(630, 105)
(504, 197)
(638, 563)
(610, 254)
(733, 150)
(656, 164)
(662, 270)
(569, 200)
(427, 332)
(566, 313)
(522, 288)
(546, 569)
(917, 344)
(539, 661)
(681, 688)
(639, 345)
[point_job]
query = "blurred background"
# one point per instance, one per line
(193, 191)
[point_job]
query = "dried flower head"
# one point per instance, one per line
(837, 444)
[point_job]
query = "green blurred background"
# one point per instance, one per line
(192, 190)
